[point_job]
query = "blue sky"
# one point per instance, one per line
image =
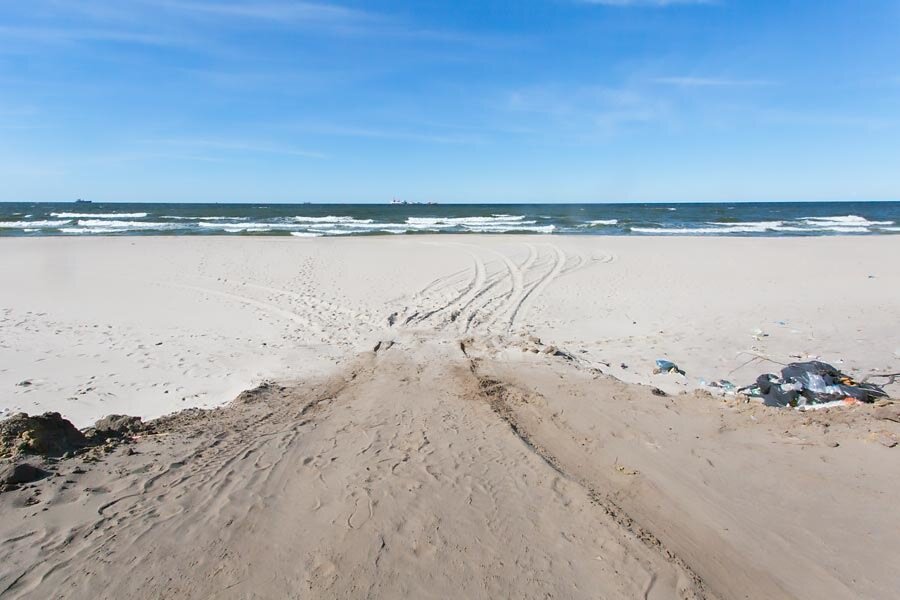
(454, 101)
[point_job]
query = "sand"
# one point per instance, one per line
(450, 415)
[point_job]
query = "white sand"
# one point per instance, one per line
(151, 325)
(422, 443)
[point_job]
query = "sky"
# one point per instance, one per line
(449, 101)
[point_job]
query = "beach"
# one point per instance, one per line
(435, 415)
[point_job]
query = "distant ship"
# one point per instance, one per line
(398, 201)
(80, 201)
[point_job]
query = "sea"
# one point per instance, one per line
(746, 219)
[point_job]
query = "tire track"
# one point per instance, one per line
(542, 283)
(472, 288)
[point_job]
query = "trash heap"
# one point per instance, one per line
(811, 383)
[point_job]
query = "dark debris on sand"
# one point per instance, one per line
(31, 446)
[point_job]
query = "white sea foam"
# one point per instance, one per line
(304, 234)
(248, 226)
(510, 228)
(697, 230)
(336, 232)
(889, 228)
(842, 229)
(177, 218)
(128, 224)
(740, 224)
(792, 228)
(32, 224)
(462, 221)
(371, 225)
(845, 221)
(67, 215)
(93, 230)
(332, 219)
(603, 222)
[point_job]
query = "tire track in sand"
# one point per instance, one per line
(543, 282)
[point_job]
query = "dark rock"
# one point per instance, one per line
(118, 425)
(657, 392)
(18, 474)
(47, 435)
(258, 393)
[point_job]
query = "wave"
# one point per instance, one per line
(596, 222)
(453, 221)
(32, 224)
(370, 226)
(760, 224)
(304, 234)
(699, 230)
(844, 221)
(842, 229)
(330, 232)
(177, 218)
(128, 224)
(332, 219)
(510, 229)
(93, 230)
(68, 215)
(247, 226)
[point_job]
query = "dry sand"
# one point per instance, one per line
(451, 417)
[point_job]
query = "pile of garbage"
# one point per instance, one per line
(811, 383)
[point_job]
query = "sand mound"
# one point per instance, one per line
(48, 434)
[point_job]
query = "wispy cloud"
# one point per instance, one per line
(587, 112)
(76, 34)
(711, 82)
(279, 12)
(329, 129)
(232, 146)
(209, 23)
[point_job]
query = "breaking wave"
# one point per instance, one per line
(32, 224)
(71, 215)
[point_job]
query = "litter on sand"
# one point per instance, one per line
(666, 366)
(813, 383)
(722, 383)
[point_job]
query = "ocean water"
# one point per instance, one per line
(315, 220)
